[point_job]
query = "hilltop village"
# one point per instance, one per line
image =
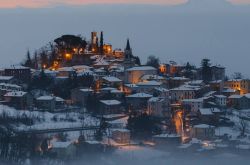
(74, 97)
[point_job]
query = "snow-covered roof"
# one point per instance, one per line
(66, 69)
(239, 96)
(142, 68)
(10, 85)
(228, 90)
(234, 80)
(100, 70)
(112, 79)
(121, 130)
(15, 94)
(243, 146)
(221, 96)
(5, 78)
(156, 99)
(149, 83)
(107, 89)
(45, 98)
(92, 142)
(110, 102)
(116, 68)
(59, 99)
(193, 87)
(81, 67)
(210, 93)
(116, 91)
(123, 121)
(167, 136)
(86, 90)
(84, 72)
(235, 96)
(111, 116)
(61, 144)
(161, 89)
(47, 71)
(183, 88)
(203, 126)
(179, 78)
(215, 81)
(247, 95)
(218, 66)
(94, 57)
(216, 110)
(192, 100)
(140, 95)
(206, 111)
(196, 82)
(101, 62)
(17, 67)
(152, 77)
(131, 85)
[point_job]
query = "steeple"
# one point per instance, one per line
(128, 45)
(128, 51)
(128, 60)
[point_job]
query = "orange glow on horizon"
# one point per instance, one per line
(51, 3)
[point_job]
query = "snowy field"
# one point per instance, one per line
(46, 120)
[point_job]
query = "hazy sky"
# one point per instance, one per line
(49, 3)
(181, 30)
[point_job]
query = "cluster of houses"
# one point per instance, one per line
(120, 86)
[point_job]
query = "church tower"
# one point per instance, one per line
(128, 51)
(101, 44)
(129, 61)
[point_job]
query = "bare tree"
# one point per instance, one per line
(242, 126)
(153, 61)
(237, 75)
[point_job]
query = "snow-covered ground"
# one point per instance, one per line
(46, 120)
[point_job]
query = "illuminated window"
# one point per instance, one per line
(68, 56)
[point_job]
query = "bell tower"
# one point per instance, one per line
(129, 61)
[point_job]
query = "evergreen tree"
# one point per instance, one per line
(142, 124)
(44, 59)
(53, 55)
(35, 60)
(28, 61)
(42, 81)
(45, 146)
(137, 60)
(188, 71)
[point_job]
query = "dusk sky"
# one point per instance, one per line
(180, 30)
(49, 3)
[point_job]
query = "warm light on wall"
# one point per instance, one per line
(75, 50)
(107, 49)
(163, 68)
(68, 56)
